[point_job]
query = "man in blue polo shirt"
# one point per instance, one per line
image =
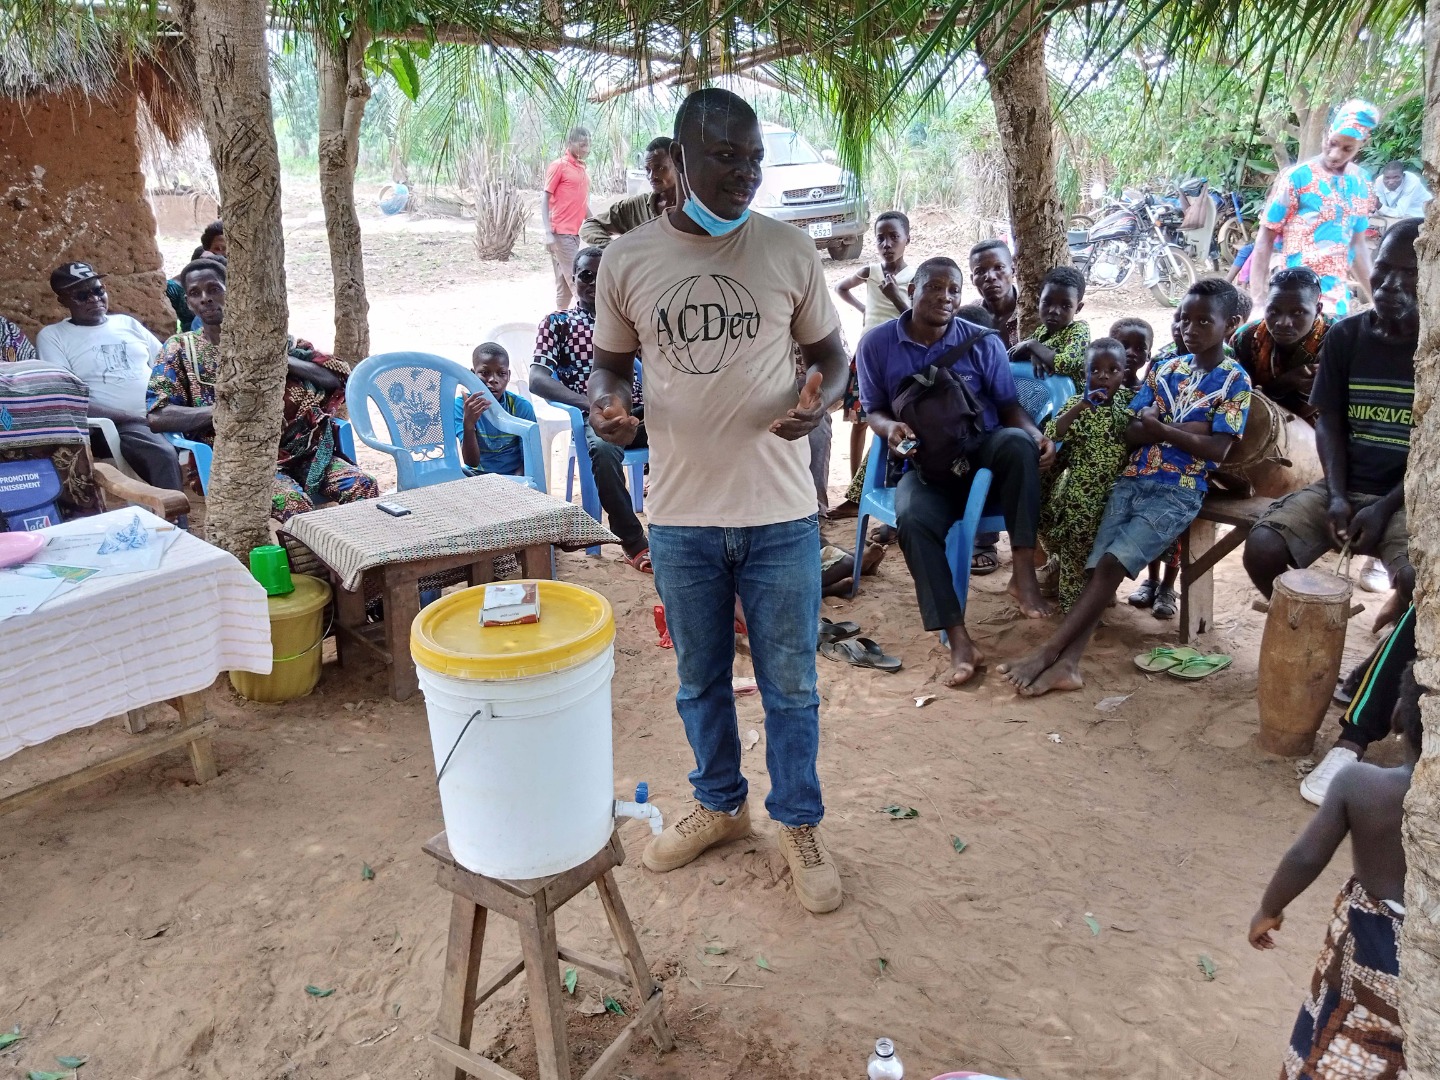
(1013, 449)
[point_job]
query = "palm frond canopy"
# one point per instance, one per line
(870, 64)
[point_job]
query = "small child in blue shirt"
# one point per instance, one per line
(483, 447)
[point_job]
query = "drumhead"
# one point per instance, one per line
(1311, 586)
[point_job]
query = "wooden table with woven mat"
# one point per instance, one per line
(456, 529)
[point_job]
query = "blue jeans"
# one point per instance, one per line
(775, 570)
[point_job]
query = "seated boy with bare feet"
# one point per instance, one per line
(892, 360)
(1187, 416)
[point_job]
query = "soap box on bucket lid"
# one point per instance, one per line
(510, 604)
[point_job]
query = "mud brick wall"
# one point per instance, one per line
(71, 189)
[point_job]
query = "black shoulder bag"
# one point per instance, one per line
(944, 413)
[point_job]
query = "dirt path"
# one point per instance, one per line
(169, 930)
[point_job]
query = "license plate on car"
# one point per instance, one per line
(819, 230)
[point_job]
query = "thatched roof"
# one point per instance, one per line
(79, 58)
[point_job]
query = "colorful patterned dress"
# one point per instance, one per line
(1317, 214)
(14, 345)
(309, 469)
(1074, 492)
(1349, 1026)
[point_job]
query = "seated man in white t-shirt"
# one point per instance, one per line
(113, 356)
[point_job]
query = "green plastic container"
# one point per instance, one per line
(297, 633)
(270, 566)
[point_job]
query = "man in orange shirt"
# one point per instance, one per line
(564, 205)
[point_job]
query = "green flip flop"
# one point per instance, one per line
(1200, 667)
(1164, 658)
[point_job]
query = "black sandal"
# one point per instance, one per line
(1144, 596)
(831, 632)
(985, 561)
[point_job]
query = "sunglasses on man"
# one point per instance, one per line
(96, 293)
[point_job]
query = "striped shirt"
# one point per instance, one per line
(1370, 381)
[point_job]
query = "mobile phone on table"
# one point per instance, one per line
(393, 509)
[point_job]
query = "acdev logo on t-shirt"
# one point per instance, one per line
(702, 322)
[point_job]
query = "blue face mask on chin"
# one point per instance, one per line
(710, 221)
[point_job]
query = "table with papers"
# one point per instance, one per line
(89, 632)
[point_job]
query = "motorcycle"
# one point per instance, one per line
(1130, 236)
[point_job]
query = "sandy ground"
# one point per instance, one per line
(168, 930)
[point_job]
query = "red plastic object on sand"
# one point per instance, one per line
(664, 642)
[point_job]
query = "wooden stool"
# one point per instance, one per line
(532, 904)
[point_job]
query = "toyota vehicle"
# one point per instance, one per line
(806, 188)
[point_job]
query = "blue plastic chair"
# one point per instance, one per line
(1041, 398)
(201, 453)
(578, 464)
(414, 394)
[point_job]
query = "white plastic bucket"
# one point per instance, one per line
(529, 789)
(525, 764)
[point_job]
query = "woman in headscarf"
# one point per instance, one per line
(1318, 213)
(181, 398)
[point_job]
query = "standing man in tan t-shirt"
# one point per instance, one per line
(712, 296)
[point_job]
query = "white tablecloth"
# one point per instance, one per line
(117, 643)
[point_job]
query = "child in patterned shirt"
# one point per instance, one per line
(1185, 420)
(1058, 345)
(1090, 434)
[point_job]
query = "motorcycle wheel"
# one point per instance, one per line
(1231, 239)
(1177, 273)
(1080, 223)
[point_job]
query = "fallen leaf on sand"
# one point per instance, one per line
(958, 844)
(315, 991)
(367, 872)
(923, 700)
(571, 978)
(899, 813)
(611, 1005)
(1092, 924)
(1110, 704)
(9, 1038)
(882, 963)
(1207, 967)
(70, 1062)
(1054, 736)
(146, 935)
(762, 963)
(716, 950)
(591, 1006)
(751, 738)
(1124, 928)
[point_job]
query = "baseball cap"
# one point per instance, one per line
(68, 275)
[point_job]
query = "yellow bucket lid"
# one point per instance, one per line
(310, 595)
(576, 625)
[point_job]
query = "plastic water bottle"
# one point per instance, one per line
(885, 1063)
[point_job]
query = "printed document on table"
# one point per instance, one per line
(21, 594)
(82, 550)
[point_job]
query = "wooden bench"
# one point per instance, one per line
(1201, 551)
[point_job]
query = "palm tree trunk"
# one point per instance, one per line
(1420, 941)
(344, 90)
(232, 64)
(1020, 91)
